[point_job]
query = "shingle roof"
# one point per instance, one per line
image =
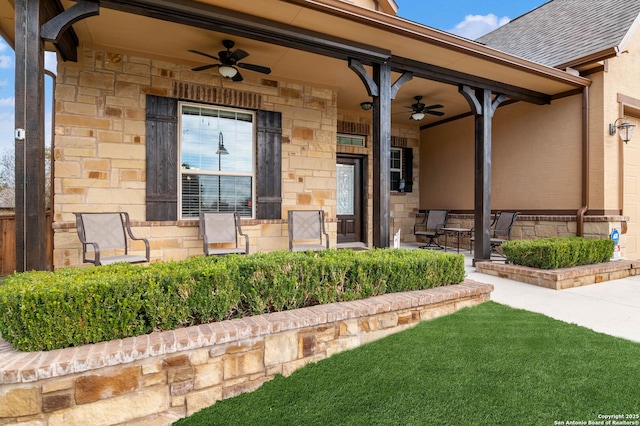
(561, 32)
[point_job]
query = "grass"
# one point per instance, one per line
(487, 365)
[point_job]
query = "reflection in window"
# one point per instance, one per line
(396, 168)
(217, 160)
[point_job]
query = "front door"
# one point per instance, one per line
(350, 199)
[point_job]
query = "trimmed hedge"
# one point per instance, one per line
(561, 252)
(76, 306)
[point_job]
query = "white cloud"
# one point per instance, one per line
(8, 102)
(6, 61)
(51, 62)
(7, 124)
(475, 26)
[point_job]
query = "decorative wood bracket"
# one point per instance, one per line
(476, 104)
(55, 27)
(369, 84)
(406, 76)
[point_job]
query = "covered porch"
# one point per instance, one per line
(326, 58)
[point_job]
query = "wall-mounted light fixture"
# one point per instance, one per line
(625, 128)
(366, 105)
(417, 116)
(227, 71)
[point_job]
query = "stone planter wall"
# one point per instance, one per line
(560, 279)
(161, 377)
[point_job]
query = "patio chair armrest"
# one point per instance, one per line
(133, 237)
(96, 253)
(242, 234)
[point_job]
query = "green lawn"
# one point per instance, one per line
(487, 365)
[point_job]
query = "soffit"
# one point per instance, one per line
(124, 32)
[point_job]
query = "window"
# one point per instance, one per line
(351, 140)
(396, 168)
(162, 161)
(216, 160)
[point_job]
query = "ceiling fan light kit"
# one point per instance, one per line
(420, 110)
(230, 62)
(227, 72)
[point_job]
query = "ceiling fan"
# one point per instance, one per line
(230, 62)
(419, 109)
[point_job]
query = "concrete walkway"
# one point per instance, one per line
(611, 307)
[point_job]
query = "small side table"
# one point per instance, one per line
(457, 232)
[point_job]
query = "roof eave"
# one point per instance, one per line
(436, 37)
(602, 55)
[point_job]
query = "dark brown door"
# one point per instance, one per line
(350, 199)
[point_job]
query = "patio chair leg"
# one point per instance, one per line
(432, 244)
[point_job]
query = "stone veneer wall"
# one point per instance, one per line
(161, 377)
(99, 150)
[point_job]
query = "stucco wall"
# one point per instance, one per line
(623, 160)
(536, 159)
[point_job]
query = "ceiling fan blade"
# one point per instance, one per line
(237, 77)
(238, 55)
(204, 54)
(434, 106)
(438, 113)
(257, 68)
(204, 67)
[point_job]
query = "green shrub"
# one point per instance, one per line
(553, 253)
(75, 306)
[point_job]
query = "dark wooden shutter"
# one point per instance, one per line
(269, 161)
(407, 172)
(162, 158)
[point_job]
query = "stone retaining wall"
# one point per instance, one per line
(559, 279)
(161, 377)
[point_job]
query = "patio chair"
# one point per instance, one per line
(306, 230)
(429, 224)
(222, 229)
(105, 236)
(500, 229)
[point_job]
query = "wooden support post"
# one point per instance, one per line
(382, 156)
(380, 88)
(483, 107)
(29, 143)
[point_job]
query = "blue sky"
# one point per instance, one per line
(466, 18)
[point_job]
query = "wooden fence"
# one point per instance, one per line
(8, 243)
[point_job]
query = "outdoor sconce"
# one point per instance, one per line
(366, 105)
(625, 128)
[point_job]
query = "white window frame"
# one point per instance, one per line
(392, 169)
(182, 171)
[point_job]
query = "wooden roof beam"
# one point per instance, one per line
(200, 15)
